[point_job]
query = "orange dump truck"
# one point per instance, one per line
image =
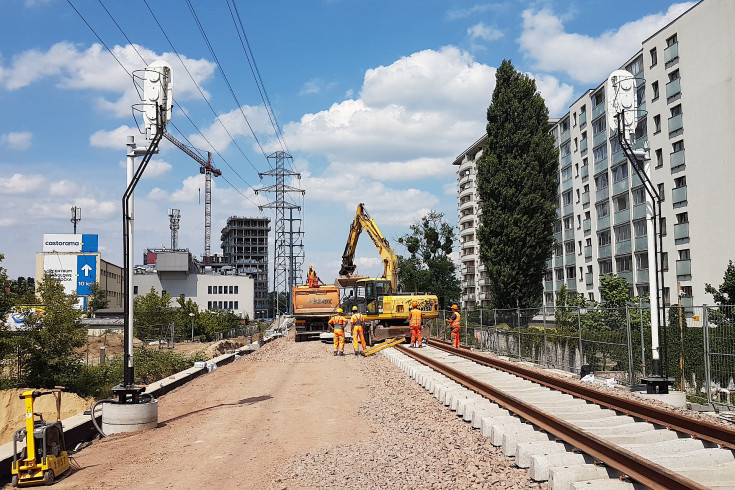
(312, 308)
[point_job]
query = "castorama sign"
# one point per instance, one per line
(69, 243)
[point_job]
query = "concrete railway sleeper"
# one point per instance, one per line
(563, 439)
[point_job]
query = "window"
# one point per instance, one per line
(135, 289)
(677, 146)
(557, 226)
(665, 261)
(624, 264)
(686, 291)
(680, 182)
(603, 238)
(569, 247)
(566, 173)
(676, 110)
(605, 267)
(622, 233)
(599, 153)
(548, 276)
(684, 254)
(619, 173)
(603, 209)
(601, 181)
(654, 90)
(641, 95)
(598, 98)
(564, 124)
(641, 261)
(220, 289)
(588, 242)
(237, 307)
(209, 289)
(656, 124)
(599, 125)
(636, 66)
(614, 145)
(671, 41)
(661, 195)
(659, 158)
(569, 222)
(682, 218)
(620, 202)
(639, 195)
(565, 149)
(230, 305)
(674, 75)
(640, 228)
(654, 57)
(641, 129)
(662, 226)
(209, 305)
(567, 198)
(576, 167)
(559, 274)
(579, 247)
(236, 290)
(231, 289)
(571, 273)
(574, 118)
(225, 290)
(558, 249)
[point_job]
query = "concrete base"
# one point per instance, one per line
(129, 417)
(673, 398)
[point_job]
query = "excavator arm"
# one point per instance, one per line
(390, 260)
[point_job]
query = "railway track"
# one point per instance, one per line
(569, 434)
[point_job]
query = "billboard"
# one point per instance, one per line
(64, 269)
(86, 274)
(69, 243)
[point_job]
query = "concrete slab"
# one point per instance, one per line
(462, 404)
(606, 422)
(511, 440)
(526, 450)
(488, 422)
(634, 428)
(722, 475)
(703, 457)
(674, 446)
(500, 430)
(564, 476)
(651, 437)
(542, 464)
(493, 411)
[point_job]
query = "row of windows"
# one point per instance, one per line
(222, 290)
(223, 305)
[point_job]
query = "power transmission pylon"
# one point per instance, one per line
(174, 216)
(283, 259)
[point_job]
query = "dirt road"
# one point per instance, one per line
(236, 425)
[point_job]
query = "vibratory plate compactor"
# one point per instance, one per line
(44, 456)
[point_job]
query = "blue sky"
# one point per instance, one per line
(375, 100)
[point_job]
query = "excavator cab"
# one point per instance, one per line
(375, 289)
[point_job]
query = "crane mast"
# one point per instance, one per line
(208, 170)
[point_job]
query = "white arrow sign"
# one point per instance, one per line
(86, 268)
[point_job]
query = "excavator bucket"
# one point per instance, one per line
(347, 281)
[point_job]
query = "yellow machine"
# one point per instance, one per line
(44, 457)
(385, 309)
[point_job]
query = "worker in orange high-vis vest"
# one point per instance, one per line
(312, 280)
(337, 324)
(358, 330)
(415, 319)
(454, 322)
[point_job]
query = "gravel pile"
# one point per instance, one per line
(284, 350)
(413, 442)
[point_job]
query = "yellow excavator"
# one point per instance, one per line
(385, 308)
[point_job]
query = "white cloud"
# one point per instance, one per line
(62, 188)
(482, 32)
(236, 125)
(16, 140)
(315, 86)
(456, 14)
(556, 95)
(584, 58)
(94, 68)
(156, 168)
(21, 184)
(115, 138)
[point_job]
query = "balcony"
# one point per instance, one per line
(548, 286)
(641, 243)
(642, 276)
(628, 275)
(683, 267)
(620, 186)
(566, 185)
(679, 194)
(585, 171)
(618, 156)
(558, 261)
(675, 123)
(565, 136)
(636, 181)
(597, 111)
(587, 224)
(673, 88)
(604, 251)
(549, 264)
(588, 278)
(570, 259)
(600, 165)
(585, 198)
(681, 230)
(566, 160)
(676, 159)
(623, 247)
(467, 191)
(602, 194)
(572, 284)
(671, 53)
(599, 138)
(569, 234)
(582, 119)
(557, 237)
(639, 211)
(587, 251)
(583, 146)
(622, 216)
(603, 222)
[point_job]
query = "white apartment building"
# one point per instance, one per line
(686, 115)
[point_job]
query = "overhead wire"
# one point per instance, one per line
(134, 81)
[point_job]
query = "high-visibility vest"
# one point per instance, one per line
(454, 321)
(358, 319)
(338, 322)
(414, 318)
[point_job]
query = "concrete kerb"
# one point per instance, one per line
(79, 428)
(500, 430)
(489, 423)
(541, 465)
(526, 450)
(512, 439)
(563, 477)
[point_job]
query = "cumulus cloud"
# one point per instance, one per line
(237, 126)
(556, 95)
(586, 59)
(21, 184)
(155, 168)
(315, 86)
(485, 33)
(16, 140)
(115, 138)
(94, 68)
(456, 14)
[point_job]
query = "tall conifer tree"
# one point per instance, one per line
(517, 185)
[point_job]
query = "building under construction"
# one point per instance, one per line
(245, 248)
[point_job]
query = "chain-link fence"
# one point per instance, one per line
(697, 343)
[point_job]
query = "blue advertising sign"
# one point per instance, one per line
(89, 243)
(86, 274)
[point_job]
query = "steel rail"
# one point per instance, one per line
(637, 468)
(698, 429)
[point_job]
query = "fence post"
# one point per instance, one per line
(630, 345)
(546, 356)
(707, 359)
(579, 331)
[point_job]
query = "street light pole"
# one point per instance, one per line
(192, 326)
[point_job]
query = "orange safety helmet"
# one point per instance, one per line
(414, 304)
(454, 307)
(309, 267)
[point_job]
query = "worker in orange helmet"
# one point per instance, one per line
(454, 322)
(415, 319)
(358, 329)
(312, 280)
(337, 325)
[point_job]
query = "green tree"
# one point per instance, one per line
(429, 268)
(152, 312)
(614, 291)
(6, 296)
(517, 182)
(97, 299)
(568, 304)
(55, 337)
(725, 294)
